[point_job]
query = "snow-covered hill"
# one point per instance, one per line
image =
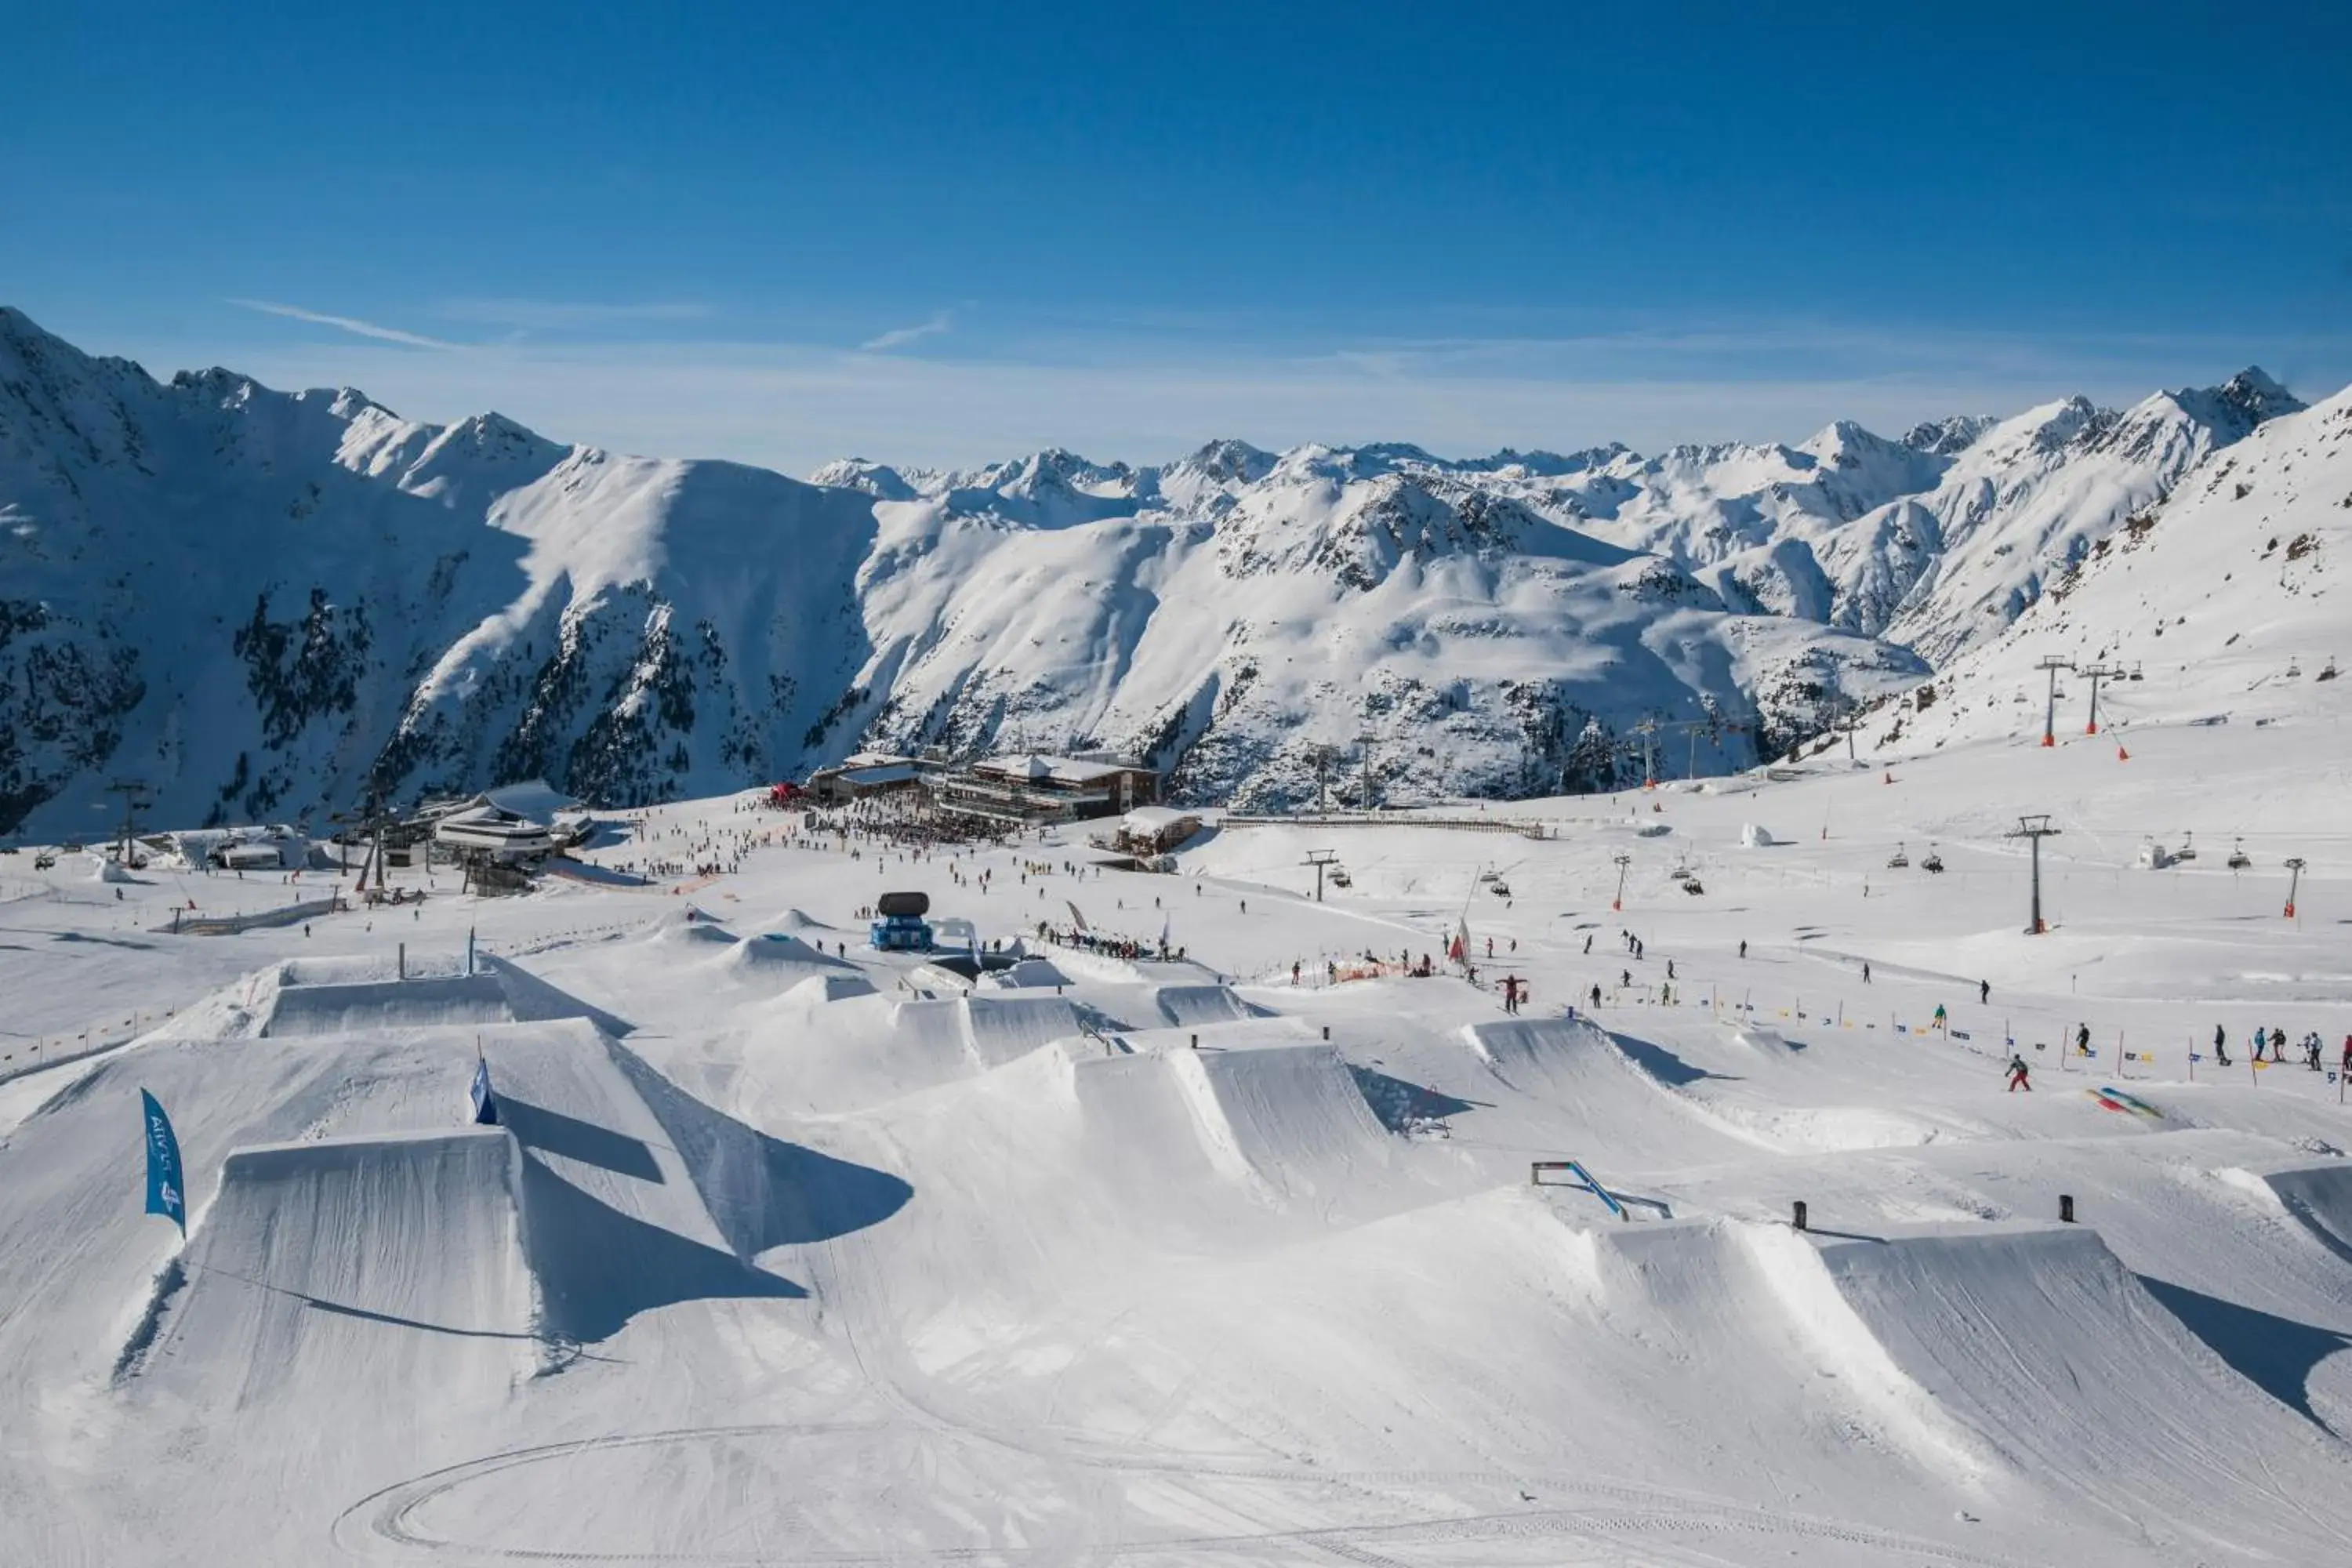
(2224, 606)
(256, 601)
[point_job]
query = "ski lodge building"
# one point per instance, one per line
(1030, 789)
(861, 777)
(512, 823)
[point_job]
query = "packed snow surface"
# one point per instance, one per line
(784, 1251)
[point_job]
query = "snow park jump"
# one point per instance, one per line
(1339, 1005)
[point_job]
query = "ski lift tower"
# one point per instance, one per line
(1648, 729)
(1364, 744)
(1623, 862)
(2098, 672)
(1324, 758)
(1320, 859)
(2295, 880)
(136, 798)
(368, 825)
(2052, 664)
(2034, 829)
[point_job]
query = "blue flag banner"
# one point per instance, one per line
(166, 1193)
(486, 1107)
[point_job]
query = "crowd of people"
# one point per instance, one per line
(1109, 944)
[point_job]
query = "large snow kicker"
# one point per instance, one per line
(395, 1260)
(352, 1008)
(2057, 1358)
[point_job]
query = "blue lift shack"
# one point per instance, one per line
(901, 927)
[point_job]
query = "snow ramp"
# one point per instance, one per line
(1001, 1028)
(2060, 1361)
(1183, 1007)
(858, 1052)
(618, 1219)
(1575, 1085)
(1290, 1119)
(2320, 1196)
(373, 1268)
(355, 1007)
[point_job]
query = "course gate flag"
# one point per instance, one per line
(166, 1193)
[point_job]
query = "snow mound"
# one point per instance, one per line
(687, 928)
(1754, 835)
(818, 989)
(780, 960)
(1025, 974)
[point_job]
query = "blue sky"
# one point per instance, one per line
(941, 233)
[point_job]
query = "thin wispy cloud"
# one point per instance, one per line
(351, 324)
(561, 315)
(900, 337)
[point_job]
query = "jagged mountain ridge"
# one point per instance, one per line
(2222, 606)
(256, 600)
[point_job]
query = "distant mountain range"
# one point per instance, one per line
(255, 602)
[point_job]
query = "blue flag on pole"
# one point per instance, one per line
(166, 1193)
(486, 1107)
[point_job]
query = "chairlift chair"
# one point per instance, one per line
(2238, 858)
(1934, 862)
(2188, 850)
(1898, 860)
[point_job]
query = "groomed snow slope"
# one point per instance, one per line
(1184, 1264)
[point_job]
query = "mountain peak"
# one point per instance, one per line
(2252, 390)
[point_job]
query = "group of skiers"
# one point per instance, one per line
(2274, 1041)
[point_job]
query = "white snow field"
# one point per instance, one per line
(787, 1252)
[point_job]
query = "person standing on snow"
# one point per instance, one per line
(2082, 1039)
(1943, 1025)
(2018, 1074)
(1984, 992)
(2348, 1039)
(2221, 1044)
(1743, 947)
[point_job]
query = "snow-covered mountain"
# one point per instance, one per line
(256, 601)
(2225, 605)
